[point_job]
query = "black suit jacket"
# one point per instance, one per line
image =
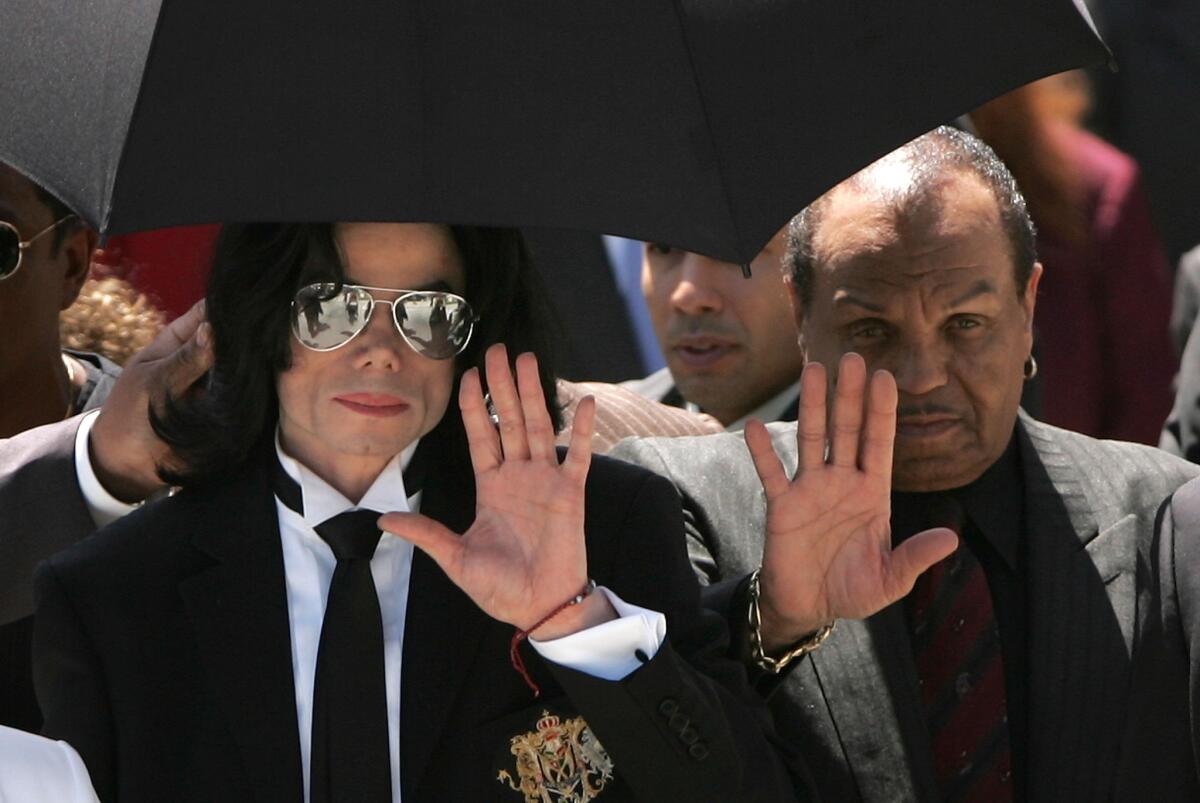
(162, 653)
(1111, 670)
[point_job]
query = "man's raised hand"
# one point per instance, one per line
(828, 548)
(525, 554)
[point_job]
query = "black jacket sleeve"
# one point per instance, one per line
(686, 725)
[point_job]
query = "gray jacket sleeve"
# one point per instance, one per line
(42, 510)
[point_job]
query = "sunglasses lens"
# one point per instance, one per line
(10, 250)
(324, 317)
(436, 325)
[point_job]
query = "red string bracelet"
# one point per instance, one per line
(514, 652)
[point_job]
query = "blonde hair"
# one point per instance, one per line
(112, 318)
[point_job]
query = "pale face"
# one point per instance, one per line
(352, 409)
(729, 341)
(930, 296)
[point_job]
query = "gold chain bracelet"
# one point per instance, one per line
(798, 650)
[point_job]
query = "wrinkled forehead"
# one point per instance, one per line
(939, 243)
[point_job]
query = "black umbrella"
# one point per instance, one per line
(702, 123)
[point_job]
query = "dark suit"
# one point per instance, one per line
(162, 653)
(1110, 712)
(41, 513)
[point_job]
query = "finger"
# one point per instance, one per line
(482, 441)
(508, 405)
(174, 335)
(538, 429)
(916, 555)
(880, 437)
(178, 371)
(810, 421)
(579, 453)
(848, 410)
(431, 537)
(766, 461)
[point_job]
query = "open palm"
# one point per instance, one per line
(828, 550)
(525, 552)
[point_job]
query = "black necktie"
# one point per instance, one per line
(350, 757)
(350, 748)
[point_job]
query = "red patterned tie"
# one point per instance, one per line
(957, 648)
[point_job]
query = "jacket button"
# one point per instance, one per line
(698, 751)
(668, 707)
(688, 735)
(678, 722)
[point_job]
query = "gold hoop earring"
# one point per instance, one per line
(1031, 368)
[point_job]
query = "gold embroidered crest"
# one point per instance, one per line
(560, 762)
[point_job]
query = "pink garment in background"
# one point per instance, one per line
(1103, 310)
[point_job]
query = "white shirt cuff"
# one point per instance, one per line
(103, 506)
(607, 650)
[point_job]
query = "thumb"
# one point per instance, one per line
(916, 555)
(431, 537)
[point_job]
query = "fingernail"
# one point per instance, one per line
(204, 335)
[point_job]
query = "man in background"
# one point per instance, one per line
(729, 344)
(45, 251)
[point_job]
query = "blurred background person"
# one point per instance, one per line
(1103, 346)
(110, 318)
(1187, 298)
(730, 348)
(1150, 106)
(1181, 433)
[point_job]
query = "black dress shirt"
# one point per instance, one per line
(989, 514)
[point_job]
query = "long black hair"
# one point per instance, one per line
(257, 269)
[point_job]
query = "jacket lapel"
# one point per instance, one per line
(442, 631)
(887, 746)
(1082, 585)
(238, 609)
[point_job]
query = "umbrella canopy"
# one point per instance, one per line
(702, 123)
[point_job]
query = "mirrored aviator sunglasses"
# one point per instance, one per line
(435, 324)
(12, 247)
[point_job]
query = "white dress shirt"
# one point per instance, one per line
(34, 769)
(606, 651)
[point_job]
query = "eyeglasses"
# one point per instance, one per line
(12, 247)
(433, 323)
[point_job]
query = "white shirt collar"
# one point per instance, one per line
(322, 501)
(768, 411)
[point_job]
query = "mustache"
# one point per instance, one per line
(926, 409)
(701, 327)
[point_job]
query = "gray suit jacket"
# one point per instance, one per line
(41, 512)
(1111, 669)
(41, 509)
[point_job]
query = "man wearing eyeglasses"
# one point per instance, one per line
(61, 473)
(45, 251)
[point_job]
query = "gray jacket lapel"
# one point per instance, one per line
(1082, 585)
(868, 679)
